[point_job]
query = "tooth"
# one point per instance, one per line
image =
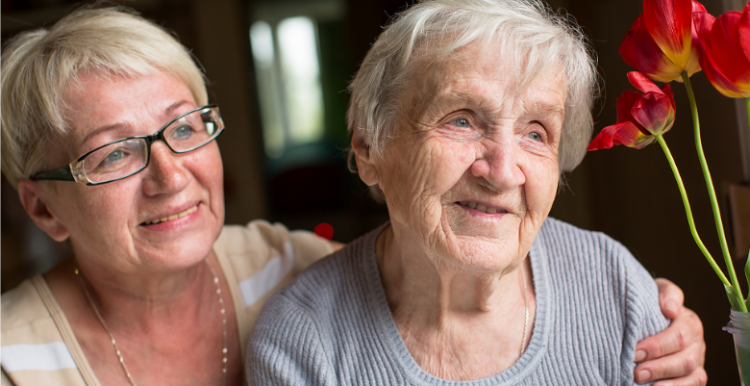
(491, 210)
(163, 219)
(462, 203)
(481, 208)
(172, 217)
(472, 205)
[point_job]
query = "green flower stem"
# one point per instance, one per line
(689, 212)
(711, 191)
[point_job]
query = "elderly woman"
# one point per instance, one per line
(108, 135)
(463, 115)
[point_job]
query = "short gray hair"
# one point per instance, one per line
(534, 35)
(38, 65)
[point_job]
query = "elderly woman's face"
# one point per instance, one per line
(473, 171)
(113, 224)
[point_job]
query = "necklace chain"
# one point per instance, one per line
(117, 349)
(526, 308)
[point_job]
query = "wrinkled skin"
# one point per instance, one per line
(467, 135)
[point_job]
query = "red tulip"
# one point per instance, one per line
(725, 44)
(663, 41)
(640, 117)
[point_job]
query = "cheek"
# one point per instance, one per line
(541, 189)
(101, 213)
(207, 168)
(417, 178)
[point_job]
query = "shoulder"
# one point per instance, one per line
(33, 349)
(294, 338)
(303, 328)
(589, 251)
(322, 288)
(22, 306)
(597, 286)
(328, 288)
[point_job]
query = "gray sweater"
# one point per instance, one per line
(332, 325)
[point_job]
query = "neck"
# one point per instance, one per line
(457, 324)
(150, 299)
(414, 280)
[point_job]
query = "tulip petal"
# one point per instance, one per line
(640, 51)
(642, 83)
(654, 112)
(624, 133)
(699, 13)
(667, 91)
(625, 103)
(703, 25)
(670, 24)
(725, 46)
(744, 31)
(723, 54)
(719, 81)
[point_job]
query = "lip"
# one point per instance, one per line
(477, 210)
(177, 213)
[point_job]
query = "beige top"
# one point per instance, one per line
(38, 345)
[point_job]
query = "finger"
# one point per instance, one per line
(684, 331)
(671, 297)
(681, 364)
(697, 378)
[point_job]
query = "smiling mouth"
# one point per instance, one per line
(481, 208)
(172, 217)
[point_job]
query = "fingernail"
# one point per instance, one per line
(640, 355)
(643, 376)
(671, 306)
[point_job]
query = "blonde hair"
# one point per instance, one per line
(37, 66)
(528, 34)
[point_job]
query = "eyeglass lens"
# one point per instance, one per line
(121, 159)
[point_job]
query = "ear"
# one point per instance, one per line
(33, 197)
(366, 167)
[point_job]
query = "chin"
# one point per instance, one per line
(485, 256)
(181, 254)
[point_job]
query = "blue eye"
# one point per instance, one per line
(183, 132)
(535, 136)
(461, 122)
(115, 156)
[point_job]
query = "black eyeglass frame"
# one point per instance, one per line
(74, 171)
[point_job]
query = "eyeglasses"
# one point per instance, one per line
(125, 157)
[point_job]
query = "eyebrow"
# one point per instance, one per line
(552, 108)
(167, 112)
(448, 97)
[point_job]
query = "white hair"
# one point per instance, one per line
(526, 32)
(38, 65)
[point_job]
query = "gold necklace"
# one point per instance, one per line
(117, 349)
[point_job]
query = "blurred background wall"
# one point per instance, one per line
(279, 71)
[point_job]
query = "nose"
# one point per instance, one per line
(500, 163)
(165, 171)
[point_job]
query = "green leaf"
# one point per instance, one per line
(732, 298)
